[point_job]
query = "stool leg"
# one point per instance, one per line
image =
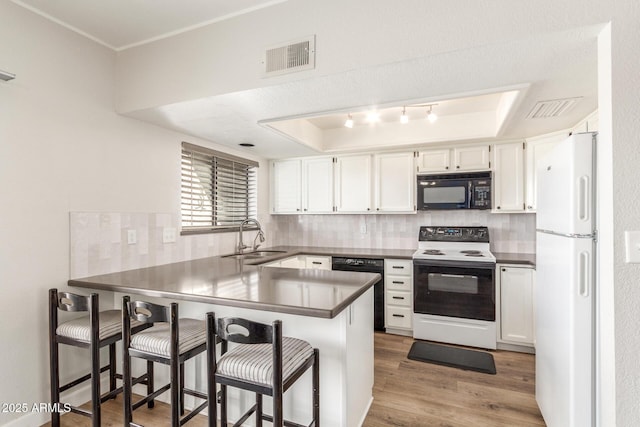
(150, 385)
(258, 410)
(95, 385)
(223, 405)
(54, 365)
(316, 387)
(55, 380)
(175, 392)
(181, 389)
(112, 367)
(126, 386)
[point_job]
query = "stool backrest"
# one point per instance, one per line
(247, 332)
(147, 312)
(67, 301)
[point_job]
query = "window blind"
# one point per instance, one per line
(219, 190)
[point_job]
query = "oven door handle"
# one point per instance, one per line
(457, 276)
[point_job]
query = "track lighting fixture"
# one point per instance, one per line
(349, 122)
(404, 118)
(431, 116)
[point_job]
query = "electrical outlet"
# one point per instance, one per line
(168, 235)
(132, 237)
(363, 228)
(632, 246)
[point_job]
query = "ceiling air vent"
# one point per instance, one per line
(552, 108)
(297, 55)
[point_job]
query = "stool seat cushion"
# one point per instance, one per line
(254, 362)
(79, 329)
(157, 339)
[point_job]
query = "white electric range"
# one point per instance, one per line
(454, 287)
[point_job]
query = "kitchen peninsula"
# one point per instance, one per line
(332, 310)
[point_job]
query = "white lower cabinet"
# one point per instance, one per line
(398, 295)
(317, 262)
(516, 290)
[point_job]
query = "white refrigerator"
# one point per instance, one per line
(565, 278)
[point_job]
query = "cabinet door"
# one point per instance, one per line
(434, 161)
(536, 150)
(317, 185)
(318, 262)
(353, 183)
(285, 176)
(298, 261)
(516, 304)
(471, 158)
(395, 182)
(508, 177)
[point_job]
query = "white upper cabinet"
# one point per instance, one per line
(434, 161)
(285, 186)
(394, 182)
(508, 177)
(353, 183)
(317, 185)
(458, 159)
(471, 158)
(537, 148)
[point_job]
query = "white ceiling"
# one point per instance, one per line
(544, 67)
(120, 24)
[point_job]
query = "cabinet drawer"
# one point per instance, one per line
(399, 317)
(398, 283)
(318, 262)
(398, 267)
(402, 298)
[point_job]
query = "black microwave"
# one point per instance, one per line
(454, 191)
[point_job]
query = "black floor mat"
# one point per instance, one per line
(461, 358)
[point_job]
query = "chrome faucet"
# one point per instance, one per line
(260, 235)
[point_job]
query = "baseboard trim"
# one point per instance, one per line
(366, 412)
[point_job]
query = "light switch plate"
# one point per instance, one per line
(132, 237)
(168, 235)
(632, 246)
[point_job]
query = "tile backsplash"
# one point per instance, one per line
(508, 232)
(98, 241)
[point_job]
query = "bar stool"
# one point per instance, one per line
(94, 331)
(266, 363)
(170, 341)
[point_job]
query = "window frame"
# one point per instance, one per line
(188, 149)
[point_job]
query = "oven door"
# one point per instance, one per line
(454, 289)
(443, 193)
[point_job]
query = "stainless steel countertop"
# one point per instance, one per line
(231, 282)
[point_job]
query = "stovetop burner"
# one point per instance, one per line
(468, 245)
(433, 252)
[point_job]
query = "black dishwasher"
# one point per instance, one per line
(366, 265)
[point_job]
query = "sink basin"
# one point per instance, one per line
(254, 255)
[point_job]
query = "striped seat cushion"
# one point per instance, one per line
(254, 362)
(157, 339)
(110, 322)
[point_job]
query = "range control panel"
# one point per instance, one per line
(454, 234)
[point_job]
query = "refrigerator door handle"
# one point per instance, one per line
(584, 269)
(584, 199)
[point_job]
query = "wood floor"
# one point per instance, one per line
(408, 393)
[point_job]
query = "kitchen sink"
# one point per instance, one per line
(254, 255)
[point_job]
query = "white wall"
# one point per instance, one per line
(625, 134)
(62, 149)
